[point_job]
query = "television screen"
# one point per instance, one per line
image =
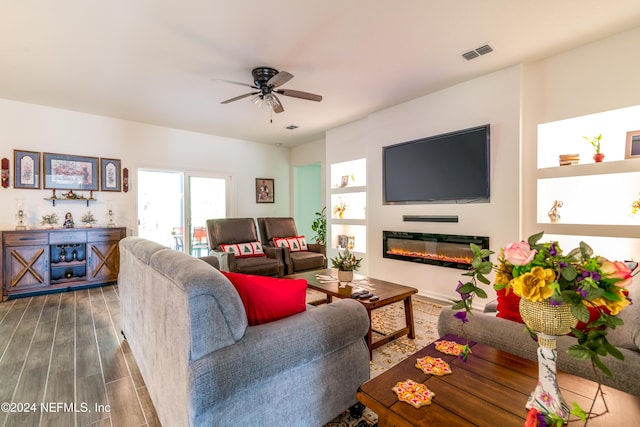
(448, 168)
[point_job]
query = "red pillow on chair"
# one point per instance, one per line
(267, 299)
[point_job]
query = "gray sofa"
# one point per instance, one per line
(511, 336)
(204, 366)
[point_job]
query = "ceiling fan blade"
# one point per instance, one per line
(278, 108)
(299, 94)
(237, 83)
(239, 97)
(279, 79)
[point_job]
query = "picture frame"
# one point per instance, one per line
(110, 175)
(632, 149)
(344, 181)
(26, 169)
(70, 172)
(265, 190)
(343, 241)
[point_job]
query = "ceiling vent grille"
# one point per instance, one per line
(482, 50)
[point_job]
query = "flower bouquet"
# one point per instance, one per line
(586, 287)
(345, 262)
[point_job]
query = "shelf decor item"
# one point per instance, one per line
(556, 291)
(21, 217)
(339, 209)
(49, 220)
(346, 263)
(632, 149)
(598, 157)
(88, 219)
(554, 212)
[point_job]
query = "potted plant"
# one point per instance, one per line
(320, 226)
(346, 263)
(340, 208)
(49, 220)
(598, 157)
(88, 219)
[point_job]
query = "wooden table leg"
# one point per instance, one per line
(408, 314)
(370, 336)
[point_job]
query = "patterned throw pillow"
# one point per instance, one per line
(295, 244)
(244, 250)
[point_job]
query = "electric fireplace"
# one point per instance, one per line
(446, 250)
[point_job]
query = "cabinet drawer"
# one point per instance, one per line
(104, 235)
(57, 238)
(23, 239)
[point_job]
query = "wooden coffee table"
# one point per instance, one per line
(387, 292)
(490, 389)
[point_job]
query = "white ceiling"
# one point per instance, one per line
(158, 61)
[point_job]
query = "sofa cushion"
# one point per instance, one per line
(243, 250)
(267, 299)
(295, 244)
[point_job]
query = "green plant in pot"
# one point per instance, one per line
(346, 263)
(595, 143)
(320, 226)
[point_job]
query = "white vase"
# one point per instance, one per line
(548, 321)
(345, 276)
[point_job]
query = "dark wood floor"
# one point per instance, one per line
(63, 362)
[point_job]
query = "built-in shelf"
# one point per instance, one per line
(348, 189)
(596, 197)
(53, 200)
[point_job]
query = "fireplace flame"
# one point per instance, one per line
(426, 255)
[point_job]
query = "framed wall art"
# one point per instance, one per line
(67, 172)
(633, 145)
(110, 175)
(26, 169)
(264, 190)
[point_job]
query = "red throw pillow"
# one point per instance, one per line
(509, 306)
(267, 299)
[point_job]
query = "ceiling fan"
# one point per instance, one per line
(266, 82)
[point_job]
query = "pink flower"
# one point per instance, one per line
(617, 270)
(519, 253)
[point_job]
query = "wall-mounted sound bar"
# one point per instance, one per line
(430, 218)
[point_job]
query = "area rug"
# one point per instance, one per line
(388, 319)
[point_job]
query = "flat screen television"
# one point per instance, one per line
(447, 168)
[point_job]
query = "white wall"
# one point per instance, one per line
(43, 129)
(492, 99)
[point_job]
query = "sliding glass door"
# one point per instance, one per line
(173, 207)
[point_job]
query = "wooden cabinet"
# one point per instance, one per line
(34, 261)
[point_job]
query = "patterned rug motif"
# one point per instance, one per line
(388, 319)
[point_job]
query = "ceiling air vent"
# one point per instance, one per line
(291, 127)
(470, 55)
(482, 50)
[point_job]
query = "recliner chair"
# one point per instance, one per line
(233, 234)
(295, 261)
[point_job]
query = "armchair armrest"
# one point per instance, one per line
(279, 346)
(273, 252)
(226, 260)
(317, 247)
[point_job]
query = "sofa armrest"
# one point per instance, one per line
(271, 349)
